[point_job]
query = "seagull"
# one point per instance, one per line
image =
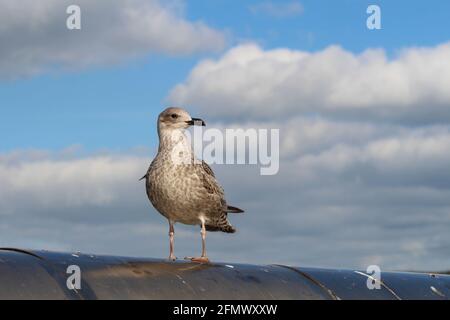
(181, 187)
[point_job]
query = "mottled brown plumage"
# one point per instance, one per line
(182, 188)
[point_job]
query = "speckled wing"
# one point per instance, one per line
(218, 220)
(207, 169)
(212, 189)
(227, 208)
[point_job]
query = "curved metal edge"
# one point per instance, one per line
(328, 291)
(24, 251)
(380, 282)
(53, 271)
(396, 284)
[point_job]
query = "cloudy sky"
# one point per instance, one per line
(364, 119)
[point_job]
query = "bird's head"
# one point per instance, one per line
(177, 118)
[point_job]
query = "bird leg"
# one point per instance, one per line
(203, 258)
(171, 238)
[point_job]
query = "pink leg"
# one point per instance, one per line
(171, 238)
(203, 258)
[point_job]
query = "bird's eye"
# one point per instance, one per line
(174, 115)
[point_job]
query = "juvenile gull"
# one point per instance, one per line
(182, 188)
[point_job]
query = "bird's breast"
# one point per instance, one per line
(173, 191)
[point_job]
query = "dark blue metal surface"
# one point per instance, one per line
(43, 275)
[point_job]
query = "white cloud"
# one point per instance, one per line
(377, 189)
(364, 166)
(35, 39)
(277, 9)
(48, 182)
(413, 158)
(363, 193)
(253, 83)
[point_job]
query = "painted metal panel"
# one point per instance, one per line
(28, 274)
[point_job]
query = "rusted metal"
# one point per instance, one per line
(29, 274)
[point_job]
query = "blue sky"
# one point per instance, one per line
(115, 106)
(364, 119)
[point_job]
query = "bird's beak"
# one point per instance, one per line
(196, 122)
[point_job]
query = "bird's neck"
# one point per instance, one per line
(174, 140)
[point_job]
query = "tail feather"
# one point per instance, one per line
(224, 228)
(232, 209)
